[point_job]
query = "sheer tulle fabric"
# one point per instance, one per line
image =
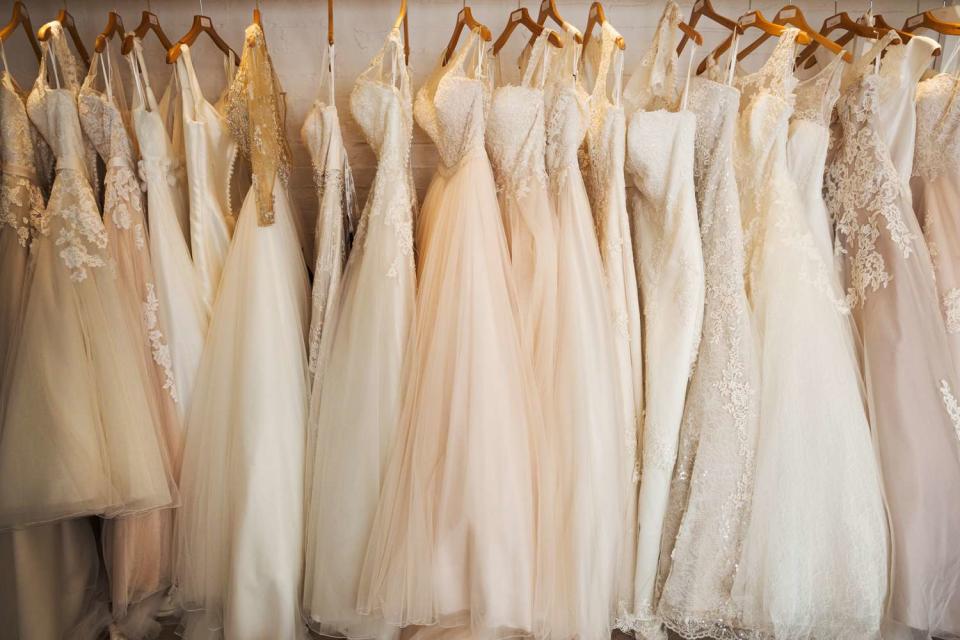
(181, 307)
(814, 559)
(353, 414)
(453, 540)
(909, 372)
(713, 478)
(78, 435)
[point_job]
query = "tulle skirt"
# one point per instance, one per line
(355, 406)
(814, 557)
(584, 493)
(239, 532)
(78, 435)
(453, 540)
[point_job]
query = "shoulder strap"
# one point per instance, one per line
(537, 60)
(191, 78)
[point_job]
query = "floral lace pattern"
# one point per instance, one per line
(951, 405)
(79, 231)
(158, 346)
(21, 202)
(937, 150)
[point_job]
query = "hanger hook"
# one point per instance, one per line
(201, 7)
(836, 8)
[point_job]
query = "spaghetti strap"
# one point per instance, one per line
(327, 62)
(194, 85)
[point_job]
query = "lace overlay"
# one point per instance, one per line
(938, 128)
(158, 346)
(255, 115)
(21, 202)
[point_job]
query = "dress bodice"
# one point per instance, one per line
(767, 96)
(452, 106)
(938, 127)
(816, 96)
(102, 121)
(568, 110)
(21, 204)
(715, 106)
(515, 129)
(380, 104)
(653, 84)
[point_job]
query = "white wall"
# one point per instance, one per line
(296, 33)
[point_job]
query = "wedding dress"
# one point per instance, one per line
(138, 549)
(181, 308)
(337, 212)
(453, 539)
(813, 563)
(355, 402)
(909, 372)
(602, 161)
(713, 479)
(78, 434)
(210, 157)
(239, 536)
(587, 464)
(48, 573)
(669, 263)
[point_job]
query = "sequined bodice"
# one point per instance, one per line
(452, 106)
(938, 128)
(381, 105)
(515, 127)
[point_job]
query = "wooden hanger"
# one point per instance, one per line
(148, 22)
(201, 24)
(753, 19)
(521, 17)
(881, 25)
(927, 20)
(114, 28)
(465, 19)
(402, 19)
(548, 9)
(65, 19)
(597, 16)
(792, 15)
(20, 18)
(330, 22)
(702, 8)
(842, 22)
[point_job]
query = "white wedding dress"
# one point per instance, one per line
(669, 262)
(813, 563)
(908, 368)
(79, 433)
(602, 159)
(584, 499)
(713, 479)
(337, 212)
(182, 308)
(240, 529)
(355, 402)
(210, 153)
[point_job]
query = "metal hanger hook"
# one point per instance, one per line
(201, 7)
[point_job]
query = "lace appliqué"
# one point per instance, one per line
(937, 150)
(951, 309)
(951, 405)
(159, 348)
(80, 234)
(21, 207)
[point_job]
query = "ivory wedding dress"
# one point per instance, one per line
(181, 307)
(910, 374)
(813, 563)
(210, 156)
(669, 262)
(463, 470)
(79, 432)
(713, 479)
(355, 402)
(337, 212)
(936, 189)
(602, 160)
(584, 498)
(239, 539)
(48, 573)
(138, 549)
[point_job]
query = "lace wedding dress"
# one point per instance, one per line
(584, 500)
(138, 549)
(936, 189)
(713, 478)
(669, 262)
(463, 469)
(602, 160)
(79, 432)
(210, 157)
(180, 305)
(813, 563)
(355, 403)
(239, 538)
(909, 372)
(48, 573)
(337, 212)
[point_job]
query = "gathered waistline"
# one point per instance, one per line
(473, 153)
